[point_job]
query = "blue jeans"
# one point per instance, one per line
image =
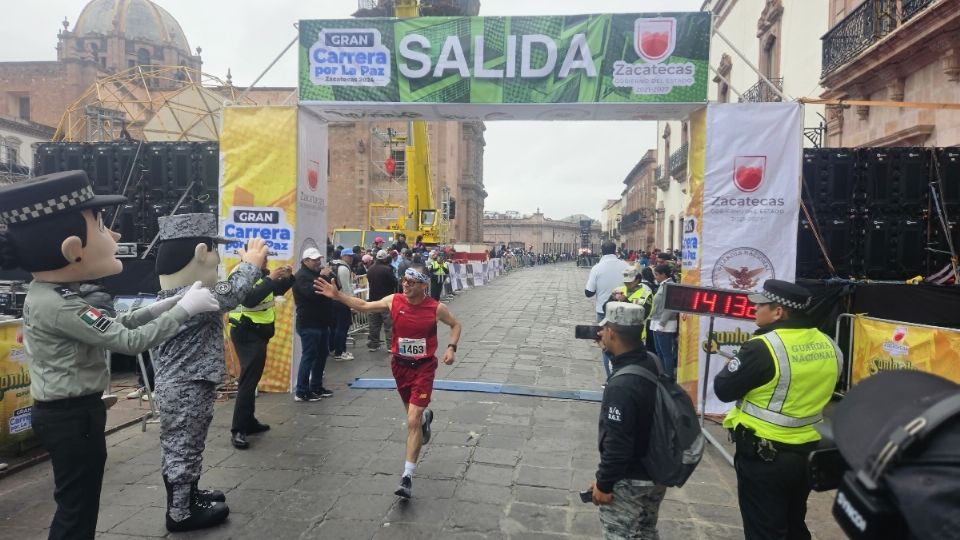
(666, 343)
(338, 342)
(315, 343)
(605, 355)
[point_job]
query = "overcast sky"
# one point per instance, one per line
(563, 168)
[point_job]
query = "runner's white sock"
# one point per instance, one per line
(408, 468)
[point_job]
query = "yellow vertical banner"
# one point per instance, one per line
(258, 188)
(16, 402)
(687, 357)
(889, 346)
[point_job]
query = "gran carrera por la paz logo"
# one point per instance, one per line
(349, 57)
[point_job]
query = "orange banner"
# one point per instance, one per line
(887, 346)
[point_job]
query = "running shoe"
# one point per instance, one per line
(136, 393)
(405, 491)
(372, 348)
(308, 397)
(425, 428)
(345, 357)
(324, 392)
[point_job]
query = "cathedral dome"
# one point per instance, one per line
(135, 20)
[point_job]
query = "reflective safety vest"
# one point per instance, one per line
(807, 364)
(437, 268)
(639, 297)
(262, 313)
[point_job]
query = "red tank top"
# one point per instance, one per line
(414, 328)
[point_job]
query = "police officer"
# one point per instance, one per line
(56, 232)
(635, 292)
(251, 329)
(438, 273)
(781, 379)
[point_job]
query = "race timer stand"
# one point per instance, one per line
(713, 303)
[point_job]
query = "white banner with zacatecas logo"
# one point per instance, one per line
(751, 200)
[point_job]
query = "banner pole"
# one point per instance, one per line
(773, 87)
(703, 399)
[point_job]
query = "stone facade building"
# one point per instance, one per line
(887, 50)
(17, 137)
(637, 225)
(610, 216)
(539, 233)
(111, 36)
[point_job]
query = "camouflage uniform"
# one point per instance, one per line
(189, 367)
(633, 512)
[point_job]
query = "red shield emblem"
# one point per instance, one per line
(655, 39)
(748, 172)
(313, 178)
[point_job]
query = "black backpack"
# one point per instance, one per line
(676, 442)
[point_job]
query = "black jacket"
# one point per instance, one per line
(381, 280)
(313, 310)
(754, 366)
(626, 415)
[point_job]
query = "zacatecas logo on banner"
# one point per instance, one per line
(592, 59)
(885, 346)
(751, 199)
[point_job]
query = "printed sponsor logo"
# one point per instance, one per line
(897, 346)
(748, 172)
(349, 57)
(742, 269)
(654, 38)
(654, 41)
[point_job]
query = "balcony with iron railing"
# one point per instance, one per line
(864, 26)
(762, 93)
(678, 164)
(661, 180)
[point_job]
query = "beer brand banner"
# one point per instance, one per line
(887, 346)
(748, 223)
(545, 68)
(258, 199)
(689, 328)
(16, 404)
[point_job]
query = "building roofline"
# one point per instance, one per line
(27, 127)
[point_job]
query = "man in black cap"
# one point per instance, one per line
(781, 379)
(56, 232)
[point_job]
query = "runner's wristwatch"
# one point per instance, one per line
(453, 345)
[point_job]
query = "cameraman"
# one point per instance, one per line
(781, 379)
(629, 501)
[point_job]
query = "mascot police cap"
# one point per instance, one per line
(50, 195)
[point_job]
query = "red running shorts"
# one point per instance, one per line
(415, 384)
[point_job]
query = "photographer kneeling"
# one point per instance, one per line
(629, 501)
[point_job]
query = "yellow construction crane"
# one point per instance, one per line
(421, 217)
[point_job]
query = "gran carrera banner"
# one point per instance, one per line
(611, 59)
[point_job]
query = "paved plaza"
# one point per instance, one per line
(499, 466)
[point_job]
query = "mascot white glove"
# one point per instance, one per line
(197, 299)
(162, 306)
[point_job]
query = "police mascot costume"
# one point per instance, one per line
(55, 231)
(190, 365)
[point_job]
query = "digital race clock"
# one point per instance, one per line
(708, 301)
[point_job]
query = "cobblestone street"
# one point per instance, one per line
(499, 466)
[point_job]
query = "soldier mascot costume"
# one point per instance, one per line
(55, 231)
(190, 365)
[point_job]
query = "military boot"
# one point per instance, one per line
(210, 495)
(184, 501)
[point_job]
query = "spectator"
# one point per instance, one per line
(604, 277)
(438, 274)
(664, 324)
(341, 313)
(377, 244)
(382, 282)
(401, 244)
(315, 323)
(365, 263)
(629, 502)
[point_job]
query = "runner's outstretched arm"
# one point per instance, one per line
(330, 290)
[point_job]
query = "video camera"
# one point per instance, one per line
(892, 452)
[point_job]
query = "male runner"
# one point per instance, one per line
(413, 346)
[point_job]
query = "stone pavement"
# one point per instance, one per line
(499, 466)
